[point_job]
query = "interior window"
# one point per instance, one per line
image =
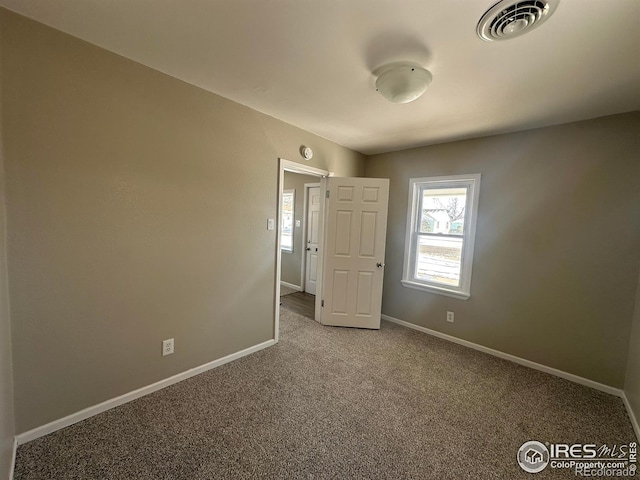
(441, 223)
(288, 207)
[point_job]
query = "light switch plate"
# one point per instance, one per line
(297, 223)
(271, 224)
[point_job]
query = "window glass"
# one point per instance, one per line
(288, 204)
(441, 228)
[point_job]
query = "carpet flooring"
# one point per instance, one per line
(336, 403)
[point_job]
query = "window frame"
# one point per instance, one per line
(472, 183)
(291, 192)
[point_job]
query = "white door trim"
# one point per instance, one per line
(294, 167)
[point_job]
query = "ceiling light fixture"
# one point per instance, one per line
(402, 83)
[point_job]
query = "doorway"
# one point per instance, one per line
(299, 243)
(351, 238)
(296, 267)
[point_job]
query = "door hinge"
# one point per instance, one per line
(322, 303)
(327, 194)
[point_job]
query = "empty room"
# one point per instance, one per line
(363, 239)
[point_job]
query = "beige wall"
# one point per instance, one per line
(632, 379)
(7, 426)
(557, 245)
(137, 211)
(292, 262)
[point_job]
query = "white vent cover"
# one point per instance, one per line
(510, 18)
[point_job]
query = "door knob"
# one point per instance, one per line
(379, 265)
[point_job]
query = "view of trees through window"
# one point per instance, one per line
(440, 235)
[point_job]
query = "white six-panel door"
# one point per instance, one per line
(311, 253)
(355, 234)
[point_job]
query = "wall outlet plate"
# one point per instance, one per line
(450, 317)
(167, 347)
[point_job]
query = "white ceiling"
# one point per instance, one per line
(309, 62)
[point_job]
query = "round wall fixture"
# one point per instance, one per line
(306, 152)
(400, 83)
(512, 18)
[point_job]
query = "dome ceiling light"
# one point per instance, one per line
(402, 83)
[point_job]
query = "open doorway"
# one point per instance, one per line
(351, 238)
(299, 243)
(299, 233)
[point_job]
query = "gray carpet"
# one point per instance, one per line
(336, 403)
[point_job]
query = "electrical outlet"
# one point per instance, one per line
(450, 317)
(167, 347)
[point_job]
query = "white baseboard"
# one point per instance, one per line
(632, 416)
(512, 358)
(127, 397)
(297, 288)
(12, 467)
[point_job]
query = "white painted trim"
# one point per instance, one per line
(434, 289)
(141, 392)
(512, 358)
(632, 415)
(12, 467)
(322, 241)
(297, 288)
(296, 167)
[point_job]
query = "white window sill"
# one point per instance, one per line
(438, 290)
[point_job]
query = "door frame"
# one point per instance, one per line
(295, 167)
(305, 234)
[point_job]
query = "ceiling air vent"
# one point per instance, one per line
(509, 18)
